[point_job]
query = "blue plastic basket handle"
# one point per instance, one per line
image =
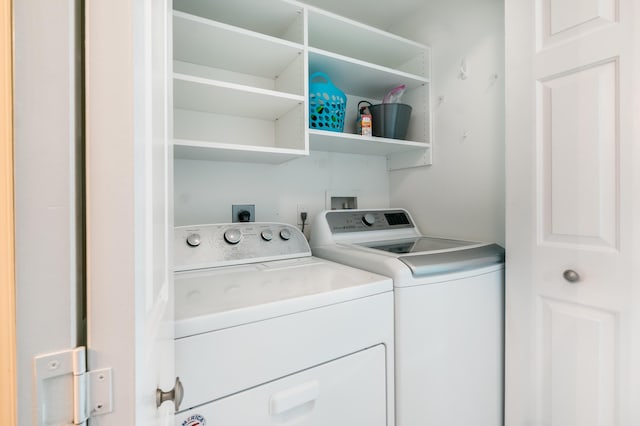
(320, 74)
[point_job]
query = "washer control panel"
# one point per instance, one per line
(367, 220)
(206, 246)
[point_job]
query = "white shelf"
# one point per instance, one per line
(334, 33)
(347, 143)
(217, 45)
(361, 78)
(274, 18)
(241, 81)
(200, 94)
(212, 151)
(400, 154)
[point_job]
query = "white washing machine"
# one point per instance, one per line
(449, 313)
(266, 334)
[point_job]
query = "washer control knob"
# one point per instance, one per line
(267, 235)
(368, 219)
(285, 234)
(193, 240)
(232, 236)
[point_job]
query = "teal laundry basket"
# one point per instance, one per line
(327, 104)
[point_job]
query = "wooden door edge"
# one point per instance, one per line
(8, 400)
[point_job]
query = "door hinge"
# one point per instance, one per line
(91, 393)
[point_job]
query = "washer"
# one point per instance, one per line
(267, 334)
(449, 313)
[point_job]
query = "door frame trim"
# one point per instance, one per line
(8, 402)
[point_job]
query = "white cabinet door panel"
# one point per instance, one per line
(578, 154)
(578, 352)
(562, 19)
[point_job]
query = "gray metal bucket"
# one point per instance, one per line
(390, 120)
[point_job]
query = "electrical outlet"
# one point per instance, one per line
(239, 211)
(302, 208)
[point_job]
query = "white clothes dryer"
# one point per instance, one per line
(449, 313)
(266, 334)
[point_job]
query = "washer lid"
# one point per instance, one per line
(216, 298)
(463, 259)
(418, 245)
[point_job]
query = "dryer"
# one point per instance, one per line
(449, 313)
(266, 334)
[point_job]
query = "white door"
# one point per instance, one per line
(126, 202)
(48, 247)
(573, 304)
(129, 221)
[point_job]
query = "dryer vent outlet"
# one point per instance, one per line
(243, 213)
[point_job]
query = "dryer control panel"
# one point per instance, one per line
(367, 220)
(207, 246)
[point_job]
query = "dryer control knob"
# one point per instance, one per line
(285, 234)
(193, 240)
(368, 219)
(266, 235)
(232, 236)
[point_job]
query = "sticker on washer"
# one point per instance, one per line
(194, 420)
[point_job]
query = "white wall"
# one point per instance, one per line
(205, 190)
(462, 194)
